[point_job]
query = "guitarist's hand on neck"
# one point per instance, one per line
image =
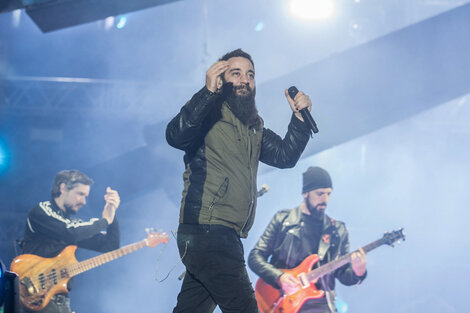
(112, 203)
(359, 262)
(288, 283)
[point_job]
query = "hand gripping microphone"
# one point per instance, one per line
(308, 119)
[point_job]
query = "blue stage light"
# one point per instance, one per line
(341, 306)
(259, 27)
(121, 22)
(3, 157)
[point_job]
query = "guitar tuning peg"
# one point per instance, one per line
(147, 230)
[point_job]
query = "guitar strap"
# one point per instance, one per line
(334, 244)
(329, 294)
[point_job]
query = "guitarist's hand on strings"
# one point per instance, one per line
(289, 283)
(112, 203)
(358, 262)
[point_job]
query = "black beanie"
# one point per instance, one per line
(314, 178)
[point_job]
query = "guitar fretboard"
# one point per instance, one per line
(333, 265)
(86, 265)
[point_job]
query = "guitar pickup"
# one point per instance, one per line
(304, 282)
(53, 275)
(42, 281)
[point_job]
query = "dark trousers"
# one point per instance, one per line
(215, 271)
(315, 308)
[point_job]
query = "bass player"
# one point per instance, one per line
(50, 226)
(293, 235)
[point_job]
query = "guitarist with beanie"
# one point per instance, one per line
(50, 226)
(291, 237)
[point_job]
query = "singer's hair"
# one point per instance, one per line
(237, 53)
(70, 178)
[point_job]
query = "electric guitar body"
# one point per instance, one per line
(270, 299)
(36, 289)
(42, 278)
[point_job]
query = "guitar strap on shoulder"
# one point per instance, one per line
(334, 237)
(329, 294)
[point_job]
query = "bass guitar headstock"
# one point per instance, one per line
(154, 238)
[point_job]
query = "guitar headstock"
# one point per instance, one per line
(154, 238)
(391, 237)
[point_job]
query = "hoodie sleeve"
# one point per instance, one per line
(104, 241)
(44, 220)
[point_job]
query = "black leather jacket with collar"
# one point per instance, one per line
(222, 155)
(283, 243)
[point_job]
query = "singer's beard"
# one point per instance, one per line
(242, 105)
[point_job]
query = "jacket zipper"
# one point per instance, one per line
(250, 210)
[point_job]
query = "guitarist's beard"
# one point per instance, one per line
(316, 212)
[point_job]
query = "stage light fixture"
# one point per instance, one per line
(312, 9)
(16, 18)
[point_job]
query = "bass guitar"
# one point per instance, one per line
(42, 278)
(272, 300)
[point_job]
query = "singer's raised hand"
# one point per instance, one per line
(299, 102)
(213, 79)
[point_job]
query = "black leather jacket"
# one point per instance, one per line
(222, 157)
(282, 241)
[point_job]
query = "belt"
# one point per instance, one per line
(204, 228)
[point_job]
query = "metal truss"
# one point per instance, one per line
(39, 95)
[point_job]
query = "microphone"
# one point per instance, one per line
(263, 190)
(308, 119)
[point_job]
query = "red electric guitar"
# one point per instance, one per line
(271, 300)
(42, 278)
